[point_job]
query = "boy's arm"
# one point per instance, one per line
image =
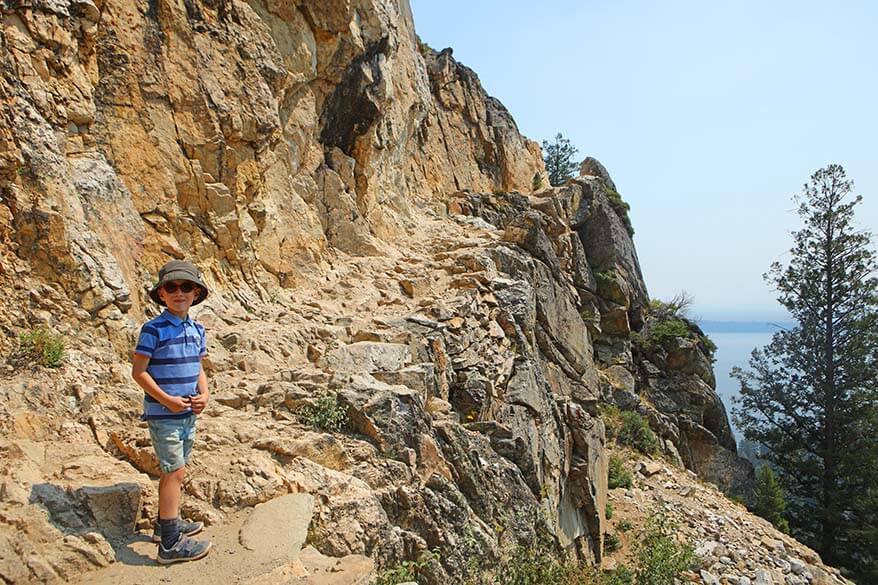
(145, 381)
(199, 401)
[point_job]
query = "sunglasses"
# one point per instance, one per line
(186, 287)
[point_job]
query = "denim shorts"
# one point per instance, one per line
(172, 439)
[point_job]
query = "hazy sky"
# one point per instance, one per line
(708, 115)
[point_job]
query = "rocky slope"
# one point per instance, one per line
(734, 547)
(355, 201)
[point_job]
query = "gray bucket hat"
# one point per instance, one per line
(179, 270)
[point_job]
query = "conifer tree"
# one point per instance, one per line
(811, 395)
(768, 500)
(558, 157)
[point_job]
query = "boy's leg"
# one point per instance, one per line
(170, 438)
(170, 488)
(170, 493)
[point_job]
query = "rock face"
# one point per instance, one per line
(248, 136)
(362, 212)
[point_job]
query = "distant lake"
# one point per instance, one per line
(733, 349)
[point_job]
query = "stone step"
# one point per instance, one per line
(262, 546)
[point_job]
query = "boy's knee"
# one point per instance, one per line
(177, 475)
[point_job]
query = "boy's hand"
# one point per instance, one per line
(176, 403)
(198, 402)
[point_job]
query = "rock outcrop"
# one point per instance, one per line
(248, 136)
(362, 212)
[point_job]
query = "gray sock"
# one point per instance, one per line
(170, 532)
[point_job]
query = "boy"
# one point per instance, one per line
(167, 365)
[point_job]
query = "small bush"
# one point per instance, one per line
(618, 476)
(611, 542)
(621, 208)
(660, 558)
(621, 575)
(326, 414)
(605, 276)
(635, 432)
(406, 570)
(639, 340)
(41, 347)
(539, 566)
(662, 331)
(676, 308)
(537, 181)
(532, 564)
(608, 511)
(624, 526)
(612, 417)
(708, 347)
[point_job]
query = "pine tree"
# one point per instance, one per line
(559, 160)
(811, 395)
(768, 500)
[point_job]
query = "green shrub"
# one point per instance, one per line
(708, 347)
(660, 558)
(39, 346)
(407, 571)
(605, 276)
(638, 339)
(676, 308)
(539, 566)
(635, 432)
(620, 207)
(326, 414)
(737, 498)
(531, 565)
(608, 511)
(618, 476)
(621, 575)
(662, 331)
(611, 542)
(624, 526)
(537, 181)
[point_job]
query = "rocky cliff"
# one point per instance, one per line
(363, 214)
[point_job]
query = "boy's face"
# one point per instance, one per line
(178, 295)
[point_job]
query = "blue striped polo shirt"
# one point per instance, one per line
(175, 347)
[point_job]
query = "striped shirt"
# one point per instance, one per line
(175, 347)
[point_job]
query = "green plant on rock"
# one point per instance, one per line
(326, 414)
(639, 340)
(660, 557)
(537, 181)
(40, 346)
(612, 417)
(635, 432)
(608, 511)
(620, 207)
(676, 308)
(663, 331)
(406, 571)
(606, 277)
(618, 476)
(621, 575)
(708, 347)
(611, 542)
(624, 526)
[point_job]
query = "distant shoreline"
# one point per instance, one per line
(743, 326)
